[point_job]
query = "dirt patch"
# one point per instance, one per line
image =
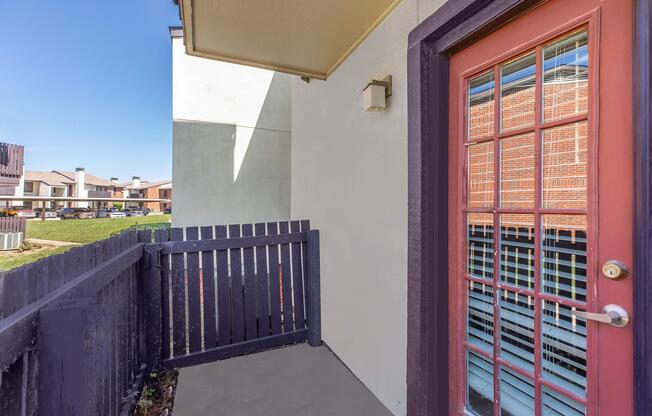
(27, 248)
(157, 398)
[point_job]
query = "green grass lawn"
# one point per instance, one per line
(16, 259)
(75, 231)
(87, 231)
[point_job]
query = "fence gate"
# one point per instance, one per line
(219, 291)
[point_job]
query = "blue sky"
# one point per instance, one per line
(88, 83)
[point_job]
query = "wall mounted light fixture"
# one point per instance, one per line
(375, 94)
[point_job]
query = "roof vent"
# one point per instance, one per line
(79, 169)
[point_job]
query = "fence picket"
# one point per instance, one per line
(160, 236)
(10, 389)
(14, 291)
(208, 281)
(223, 291)
(274, 282)
(194, 294)
(262, 282)
(250, 303)
(237, 310)
(286, 281)
(297, 279)
(178, 287)
(55, 277)
(70, 265)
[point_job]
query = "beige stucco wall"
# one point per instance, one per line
(349, 176)
(231, 142)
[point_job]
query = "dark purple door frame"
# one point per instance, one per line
(456, 24)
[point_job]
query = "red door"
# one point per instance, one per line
(541, 183)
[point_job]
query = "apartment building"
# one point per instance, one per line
(60, 183)
(139, 189)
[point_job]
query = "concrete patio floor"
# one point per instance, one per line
(295, 380)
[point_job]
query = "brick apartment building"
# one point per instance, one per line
(138, 188)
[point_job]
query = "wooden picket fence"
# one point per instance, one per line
(11, 167)
(232, 290)
(71, 331)
(12, 158)
(12, 225)
(78, 331)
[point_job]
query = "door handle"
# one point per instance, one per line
(614, 315)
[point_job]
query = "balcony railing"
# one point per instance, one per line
(99, 194)
(116, 310)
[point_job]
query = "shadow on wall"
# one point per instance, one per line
(267, 118)
(227, 173)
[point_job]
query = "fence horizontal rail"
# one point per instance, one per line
(18, 330)
(242, 348)
(176, 247)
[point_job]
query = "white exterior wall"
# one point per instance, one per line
(80, 189)
(43, 189)
(349, 177)
(231, 158)
(20, 191)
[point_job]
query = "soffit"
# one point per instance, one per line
(303, 37)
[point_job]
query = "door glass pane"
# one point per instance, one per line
(480, 243)
(503, 189)
(481, 106)
(516, 394)
(517, 250)
(566, 77)
(480, 175)
(563, 256)
(480, 384)
(563, 338)
(517, 329)
(565, 170)
(555, 404)
(517, 172)
(517, 92)
(480, 316)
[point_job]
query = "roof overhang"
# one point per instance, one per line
(310, 38)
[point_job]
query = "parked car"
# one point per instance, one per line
(48, 213)
(23, 212)
(8, 212)
(108, 213)
(146, 211)
(167, 210)
(134, 212)
(16, 211)
(76, 213)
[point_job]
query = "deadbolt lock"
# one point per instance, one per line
(615, 270)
